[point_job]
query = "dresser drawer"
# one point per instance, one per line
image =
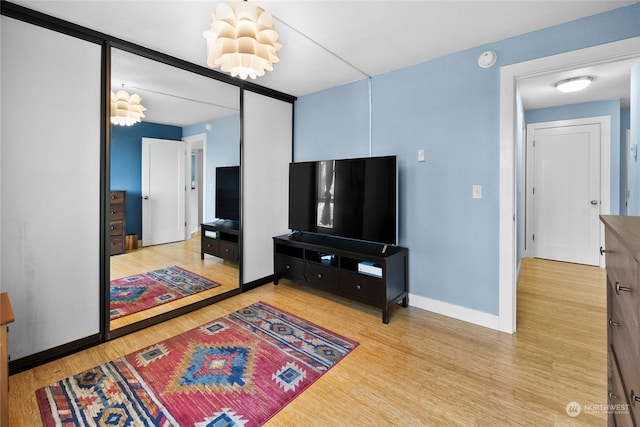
(116, 228)
(325, 277)
(623, 318)
(622, 268)
(619, 409)
(117, 212)
(117, 197)
(292, 268)
(363, 287)
(117, 245)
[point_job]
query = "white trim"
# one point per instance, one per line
(456, 311)
(199, 141)
(509, 76)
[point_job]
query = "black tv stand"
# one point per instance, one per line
(219, 238)
(370, 273)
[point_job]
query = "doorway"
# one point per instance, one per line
(510, 75)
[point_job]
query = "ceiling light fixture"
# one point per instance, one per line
(126, 109)
(573, 84)
(241, 40)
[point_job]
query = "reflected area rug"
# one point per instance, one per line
(143, 291)
(238, 370)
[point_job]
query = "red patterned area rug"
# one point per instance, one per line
(140, 292)
(238, 370)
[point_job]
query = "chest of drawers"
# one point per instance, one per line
(622, 247)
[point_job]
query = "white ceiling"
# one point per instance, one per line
(328, 43)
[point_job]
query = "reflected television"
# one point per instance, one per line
(228, 193)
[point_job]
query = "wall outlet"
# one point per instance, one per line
(476, 191)
(421, 155)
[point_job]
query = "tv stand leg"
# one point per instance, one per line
(275, 280)
(385, 315)
(405, 302)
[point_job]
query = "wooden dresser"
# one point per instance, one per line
(622, 248)
(6, 317)
(117, 225)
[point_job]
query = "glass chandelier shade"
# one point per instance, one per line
(126, 109)
(242, 41)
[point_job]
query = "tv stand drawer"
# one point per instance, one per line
(363, 287)
(325, 277)
(292, 268)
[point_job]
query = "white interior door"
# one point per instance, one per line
(163, 191)
(567, 193)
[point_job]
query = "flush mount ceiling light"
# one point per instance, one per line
(573, 84)
(242, 41)
(126, 109)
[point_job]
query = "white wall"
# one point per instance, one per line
(266, 154)
(50, 186)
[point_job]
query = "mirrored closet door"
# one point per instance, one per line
(175, 169)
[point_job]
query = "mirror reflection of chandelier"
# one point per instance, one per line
(126, 109)
(242, 41)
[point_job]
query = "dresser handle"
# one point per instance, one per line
(634, 398)
(621, 288)
(613, 396)
(612, 323)
(288, 267)
(319, 275)
(605, 251)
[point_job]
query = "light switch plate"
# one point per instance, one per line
(477, 191)
(421, 155)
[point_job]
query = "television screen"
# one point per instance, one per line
(228, 193)
(353, 198)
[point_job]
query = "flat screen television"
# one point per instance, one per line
(228, 193)
(352, 198)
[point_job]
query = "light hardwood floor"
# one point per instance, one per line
(185, 254)
(422, 369)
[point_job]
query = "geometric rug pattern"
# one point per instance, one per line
(238, 370)
(142, 291)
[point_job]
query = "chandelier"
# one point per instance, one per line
(126, 109)
(241, 40)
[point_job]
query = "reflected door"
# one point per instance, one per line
(163, 191)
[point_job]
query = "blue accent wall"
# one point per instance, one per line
(449, 107)
(591, 109)
(126, 164)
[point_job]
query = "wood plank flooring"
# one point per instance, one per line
(422, 369)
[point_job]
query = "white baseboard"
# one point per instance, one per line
(476, 317)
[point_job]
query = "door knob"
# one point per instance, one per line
(594, 202)
(146, 197)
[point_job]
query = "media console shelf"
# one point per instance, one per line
(370, 273)
(219, 238)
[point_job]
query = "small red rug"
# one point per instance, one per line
(238, 370)
(143, 291)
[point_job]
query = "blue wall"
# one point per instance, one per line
(591, 109)
(223, 149)
(449, 107)
(126, 164)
